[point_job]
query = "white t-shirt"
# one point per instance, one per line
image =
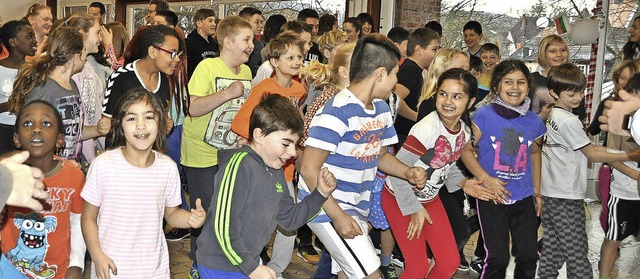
(7, 77)
(623, 186)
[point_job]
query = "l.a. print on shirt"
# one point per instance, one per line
(510, 154)
(218, 133)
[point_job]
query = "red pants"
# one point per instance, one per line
(438, 236)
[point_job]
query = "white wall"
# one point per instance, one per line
(14, 10)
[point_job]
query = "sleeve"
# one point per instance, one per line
(192, 56)
(78, 247)
(406, 78)
(572, 132)
(480, 116)
(264, 72)
(173, 197)
(6, 185)
(116, 87)
(230, 233)
(240, 124)
(92, 191)
(292, 216)
(541, 127)
(327, 129)
(594, 127)
(452, 181)
(409, 154)
(203, 79)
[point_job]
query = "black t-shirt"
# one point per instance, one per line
(313, 54)
(410, 76)
(127, 78)
(255, 59)
(198, 49)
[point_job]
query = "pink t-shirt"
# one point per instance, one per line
(132, 202)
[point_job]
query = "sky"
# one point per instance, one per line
(513, 8)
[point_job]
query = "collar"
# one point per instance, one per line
(507, 111)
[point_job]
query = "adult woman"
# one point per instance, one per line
(41, 19)
(631, 49)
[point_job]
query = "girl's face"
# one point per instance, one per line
(623, 80)
(163, 60)
(556, 54)
(140, 127)
(306, 37)
(452, 101)
(352, 33)
(42, 22)
(93, 38)
(366, 28)
(634, 31)
(25, 41)
(459, 61)
(38, 131)
(513, 88)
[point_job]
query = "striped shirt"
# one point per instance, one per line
(132, 201)
(354, 136)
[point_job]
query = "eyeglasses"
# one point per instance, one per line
(173, 54)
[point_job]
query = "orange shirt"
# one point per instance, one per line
(240, 124)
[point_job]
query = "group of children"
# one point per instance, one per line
(243, 140)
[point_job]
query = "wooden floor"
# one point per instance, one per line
(627, 266)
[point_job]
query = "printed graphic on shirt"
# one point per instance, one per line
(436, 162)
(219, 134)
(367, 141)
(29, 254)
(69, 109)
(510, 154)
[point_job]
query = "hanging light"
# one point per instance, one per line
(584, 31)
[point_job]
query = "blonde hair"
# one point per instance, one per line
(229, 27)
(324, 74)
(439, 64)
(331, 39)
(542, 48)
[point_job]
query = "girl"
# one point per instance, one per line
(138, 138)
(115, 39)
(434, 143)
(20, 41)
(631, 49)
(552, 52)
(41, 19)
(49, 78)
(327, 23)
(446, 59)
(353, 27)
(508, 138)
(368, 26)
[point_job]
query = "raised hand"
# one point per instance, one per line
(198, 215)
(326, 182)
(27, 182)
(417, 223)
(107, 36)
(236, 89)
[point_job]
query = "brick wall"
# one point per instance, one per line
(412, 14)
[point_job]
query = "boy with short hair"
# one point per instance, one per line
(490, 56)
(423, 44)
(250, 198)
(166, 18)
(254, 16)
(400, 38)
(200, 43)
(472, 32)
(349, 135)
(475, 68)
(312, 18)
(218, 88)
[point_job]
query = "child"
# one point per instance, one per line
(434, 143)
(567, 150)
(311, 18)
(423, 45)
(254, 16)
(475, 67)
(472, 32)
(552, 52)
(490, 56)
(624, 199)
(508, 138)
(217, 90)
(353, 27)
(134, 177)
(200, 43)
(400, 38)
(350, 134)
(285, 55)
(58, 249)
(246, 207)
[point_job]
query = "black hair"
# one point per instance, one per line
(248, 12)
(130, 98)
(275, 113)
(365, 17)
(371, 52)
(148, 36)
(296, 26)
(473, 25)
(98, 5)
(203, 14)
(475, 63)
(469, 86)
(633, 86)
(169, 16)
(398, 34)
(489, 47)
(326, 23)
(629, 49)
(566, 77)
(272, 26)
(420, 37)
(509, 66)
(9, 31)
(356, 24)
(307, 13)
(56, 114)
(435, 26)
(161, 5)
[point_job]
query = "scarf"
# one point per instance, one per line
(509, 112)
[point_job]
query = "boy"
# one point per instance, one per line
(285, 56)
(490, 56)
(311, 17)
(200, 43)
(423, 44)
(349, 136)
(254, 16)
(246, 207)
(166, 18)
(218, 88)
(400, 38)
(48, 244)
(472, 32)
(564, 177)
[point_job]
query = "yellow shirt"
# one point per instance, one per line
(485, 81)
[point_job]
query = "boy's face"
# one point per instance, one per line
(385, 82)
(568, 100)
(471, 38)
(152, 13)
(308, 43)
(160, 20)
(489, 60)
(459, 61)
(257, 23)
(240, 46)
(352, 33)
(402, 47)
(276, 148)
(207, 25)
(288, 64)
(314, 23)
(38, 131)
(428, 53)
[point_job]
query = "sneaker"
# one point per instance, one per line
(308, 254)
(476, 264)
(388, 272)
(464, 264)
(176, 234)
(397, 262)
(264, 256)
(193, 272)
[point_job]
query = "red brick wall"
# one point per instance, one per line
(412, 14)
